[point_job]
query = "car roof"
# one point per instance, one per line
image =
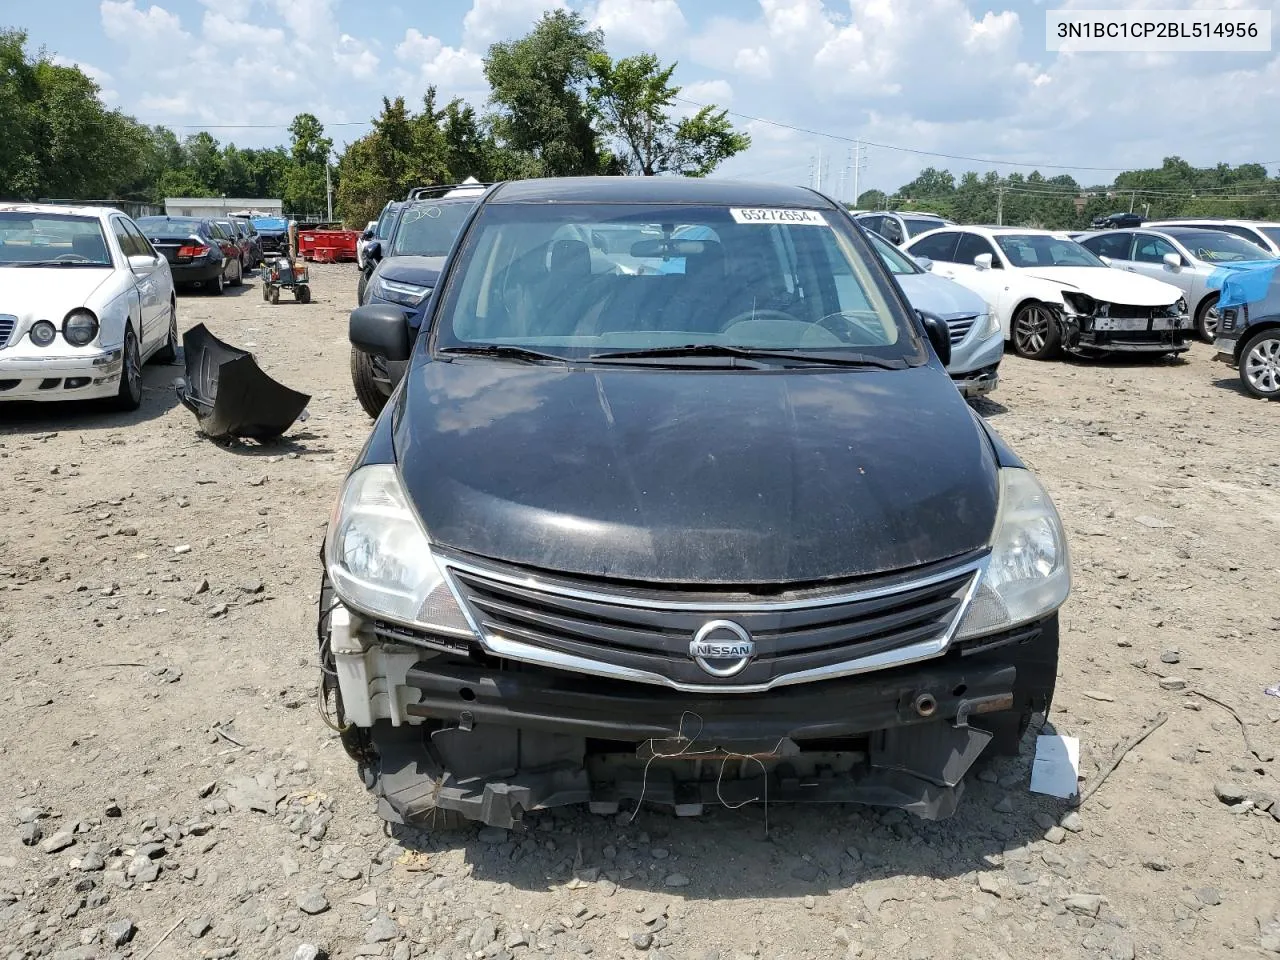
(656, 190)
(56, 208)
(1203, 221)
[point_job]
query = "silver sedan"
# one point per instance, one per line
(1183, 256)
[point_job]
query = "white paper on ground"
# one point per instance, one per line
(1056, 767)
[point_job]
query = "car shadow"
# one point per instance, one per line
(987, 407)
(1121, 361)
(770, 850)
(1231, 384)
(158, 398)
(301, 444)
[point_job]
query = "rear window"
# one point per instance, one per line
(919, 225)
(559, 278)
(168, 226)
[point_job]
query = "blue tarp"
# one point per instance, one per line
(1243, 282)
(271, 223)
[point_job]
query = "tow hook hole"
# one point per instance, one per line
(960, 690)
(467, 694)
(926, 705)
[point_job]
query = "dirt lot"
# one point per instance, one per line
(169, 789)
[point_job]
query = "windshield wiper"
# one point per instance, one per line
(799, 356)
(57, 263)
(501, 351)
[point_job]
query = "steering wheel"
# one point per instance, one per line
(72, 258)
(873, 335)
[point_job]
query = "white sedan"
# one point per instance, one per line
(85, 301)
(1051, 294)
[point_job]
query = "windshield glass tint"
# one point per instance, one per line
(1041, 250)
(577, 279)
(27, 237)
(1216, 246)
(427, 228)
(918, 225)
(894, 259)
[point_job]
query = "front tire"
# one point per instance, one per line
(364, 379)
(169, 352)
(1207, 319)
(361, 287)
(1035, 332)
(1260, 365)
(129, 397)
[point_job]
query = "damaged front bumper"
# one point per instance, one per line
(493, 739)
(1114, 328)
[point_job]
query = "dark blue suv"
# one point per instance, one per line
(407, 266)
(1249, 329)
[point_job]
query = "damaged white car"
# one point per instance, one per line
(1052, 294)
(85, 301)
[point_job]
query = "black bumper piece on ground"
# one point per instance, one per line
(229, 393)
(499, 742)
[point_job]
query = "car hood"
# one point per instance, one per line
(424, 271)
(695, 476)
(48, 291)
(1110, 285)
(940, 296)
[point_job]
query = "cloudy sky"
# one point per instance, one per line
(964, 77)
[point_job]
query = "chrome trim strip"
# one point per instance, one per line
(762, 606)
(528, 653)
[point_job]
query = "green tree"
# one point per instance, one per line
(538, 93)
(19, 92)
(631, 99)
(303, 183)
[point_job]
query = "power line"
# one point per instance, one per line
(922, 153)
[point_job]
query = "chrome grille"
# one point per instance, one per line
(7, 323)
(960, 327)
(645, 635)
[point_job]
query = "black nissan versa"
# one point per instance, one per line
(625, 527)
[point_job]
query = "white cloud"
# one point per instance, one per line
(637, 23)
(355, 57)
(154, 27)
(455, 70)
(709, 91)
(754, 62)
(224, 31)
(489, 21)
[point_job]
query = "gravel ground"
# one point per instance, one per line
(170, 791)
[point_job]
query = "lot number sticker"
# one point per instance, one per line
(796, 218)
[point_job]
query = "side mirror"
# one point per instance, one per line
(924, 263)
(143, 261)
(379, 330)
(1106, 260)
(939, 335)
(367, 235)
(374, 250)
(1173, 261)
(983, 261)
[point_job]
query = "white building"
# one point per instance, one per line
(221, 206)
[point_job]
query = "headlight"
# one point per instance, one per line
(379, 559)
(397, 291)
(992, 325)
(43, 332)
(79, 328)
(1080, 303)
(1029, 573)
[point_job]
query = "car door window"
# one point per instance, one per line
(871, 223)
(936, 246)
(140, 243)
(1113, 245)
(971, 245)
(127, 245)
(891, 230)
(1151, 249)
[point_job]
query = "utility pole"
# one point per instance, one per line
(1132, 199)
(328, 192)
(859, 161)
(818, 185)
(1000, 203)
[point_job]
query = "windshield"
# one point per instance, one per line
(919, 225)
(1215, 246)
(427, 228)
(385, 221)
(168, 227)
(1045, 250)
(897, 262)
(558, 279)
(37, 237)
